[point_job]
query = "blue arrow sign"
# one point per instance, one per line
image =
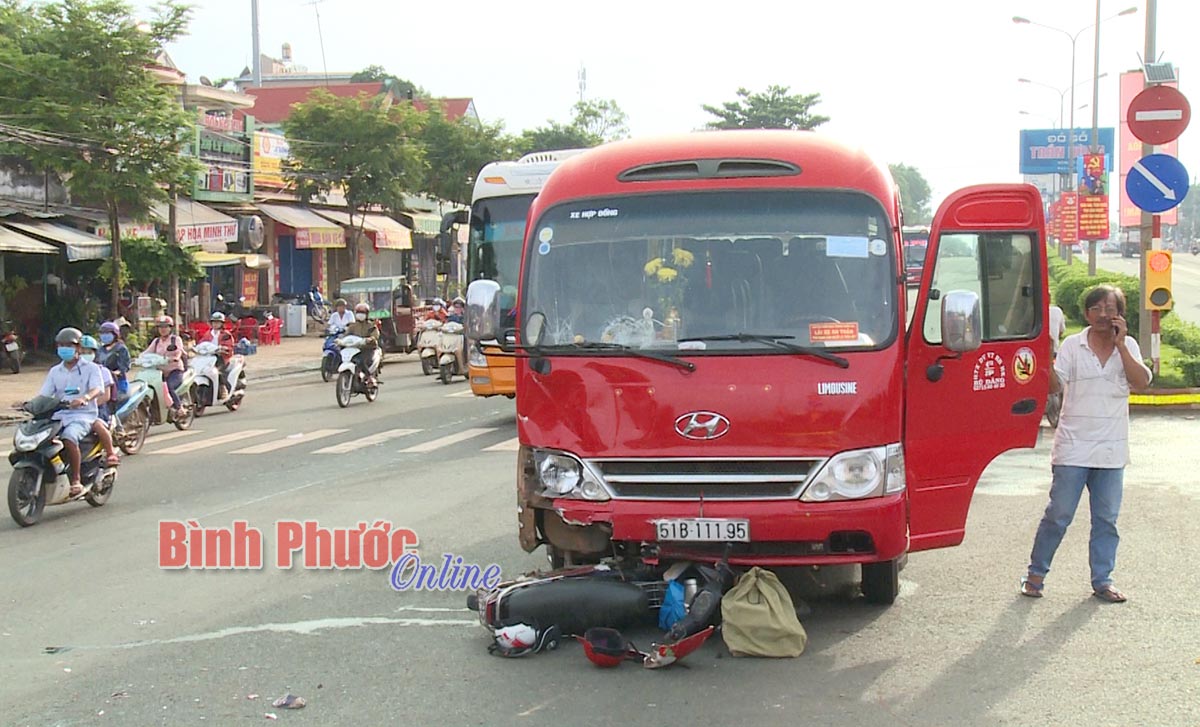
(1157, 182)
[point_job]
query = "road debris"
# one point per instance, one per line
(289, 701)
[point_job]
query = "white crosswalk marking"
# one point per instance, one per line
(214, 441)
(510, 445)
(290, 441)
(364, 442)
(447, 440)
(155, 438)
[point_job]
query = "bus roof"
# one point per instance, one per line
(721, 160)
(523, 176)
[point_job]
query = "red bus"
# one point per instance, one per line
(713, 360)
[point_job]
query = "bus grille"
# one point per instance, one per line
(712, 479)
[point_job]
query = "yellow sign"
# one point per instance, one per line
(270, 151)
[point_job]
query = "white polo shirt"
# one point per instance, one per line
(1093, 429)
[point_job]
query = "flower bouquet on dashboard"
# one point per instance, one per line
(664, 279)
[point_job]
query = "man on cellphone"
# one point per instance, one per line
(1099, 366)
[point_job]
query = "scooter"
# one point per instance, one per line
(351, 381)
(11, 351)
(318, 308)
(452, 354)
(40, 475)
(207, 379)
(427, 344)
(330, 358)
(148, 385)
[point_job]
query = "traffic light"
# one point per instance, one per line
(1158, 281)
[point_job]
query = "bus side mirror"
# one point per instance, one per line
(962, 321)
(483, 310)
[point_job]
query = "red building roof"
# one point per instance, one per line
(273, 104)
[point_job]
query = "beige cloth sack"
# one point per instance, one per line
(759, 619)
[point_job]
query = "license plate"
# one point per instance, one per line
(12, 346)
(704, 530)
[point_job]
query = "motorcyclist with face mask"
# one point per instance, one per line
(79, 384)
(221, 336)
(89, 349)
(114, 356)
(369, 332)
(438, 312)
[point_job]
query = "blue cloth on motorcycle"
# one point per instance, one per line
(673, 608)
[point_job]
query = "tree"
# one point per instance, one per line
(456, 150)
(914, 194)
(362, 146)
(773, 109)
(379, 73)
(146, 263)
(74, 75)
(602, 119)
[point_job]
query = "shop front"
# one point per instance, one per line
(298, 240)
(385, 251)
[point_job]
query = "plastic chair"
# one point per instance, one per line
(271, 332)
(199, 330)
(248, 328)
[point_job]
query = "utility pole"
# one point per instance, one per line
(1148, 231)
(1095, 126)
(257, 63)
(173, 239)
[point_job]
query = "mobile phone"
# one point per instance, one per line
(1116, 331)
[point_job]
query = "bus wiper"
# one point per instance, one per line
(776, 340)
(638, 352)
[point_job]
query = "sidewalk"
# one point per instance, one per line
(291, 356)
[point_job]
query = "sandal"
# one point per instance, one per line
(1029, 589)
(112, 460)
(1109, 594)
(75, 491)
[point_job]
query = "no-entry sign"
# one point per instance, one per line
(1158, 114)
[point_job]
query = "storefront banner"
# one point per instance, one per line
(129, 231)
(309, 238)
(250, 285)
(221, 232)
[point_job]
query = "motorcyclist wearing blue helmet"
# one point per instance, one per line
(89, 349)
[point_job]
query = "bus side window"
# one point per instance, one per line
(999, 268)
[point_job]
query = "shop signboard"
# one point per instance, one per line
(270, 152)
(224, 149)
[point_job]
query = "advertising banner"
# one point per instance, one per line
(1069, 218)
(1093, 199)
(1132, 83)
(270, 151)
(1044, 151)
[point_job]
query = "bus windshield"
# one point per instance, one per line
(812, 268)
(494, 249)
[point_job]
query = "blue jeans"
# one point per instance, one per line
(1105, 487)
(174, 379)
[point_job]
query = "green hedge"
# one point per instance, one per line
(1185, 337)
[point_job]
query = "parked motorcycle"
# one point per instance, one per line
(148, 385)
(206, 383)
(351, 381)
(330, 356)
(40, 475)
(452, 353)
(10, 351)
(427, 344)
(318, 307)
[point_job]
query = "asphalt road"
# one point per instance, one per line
(138, 645)
(1185, 278)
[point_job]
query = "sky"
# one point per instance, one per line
(929, 83)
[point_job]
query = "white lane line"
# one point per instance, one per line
(213, 442)
(511, 445)
(289, 441)
(173, 435)
(461, 394)
(370, 441)
(447, 440)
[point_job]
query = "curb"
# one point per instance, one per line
(1166, 400)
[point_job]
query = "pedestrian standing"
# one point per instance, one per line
(1098, 366)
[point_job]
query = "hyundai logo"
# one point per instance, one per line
(702, 425)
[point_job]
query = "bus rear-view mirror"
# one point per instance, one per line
(483, 310)
(962, 321)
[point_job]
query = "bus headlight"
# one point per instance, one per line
(562, 475)
(475, 357)
(859, 474)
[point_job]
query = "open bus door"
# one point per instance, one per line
(978, 352)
